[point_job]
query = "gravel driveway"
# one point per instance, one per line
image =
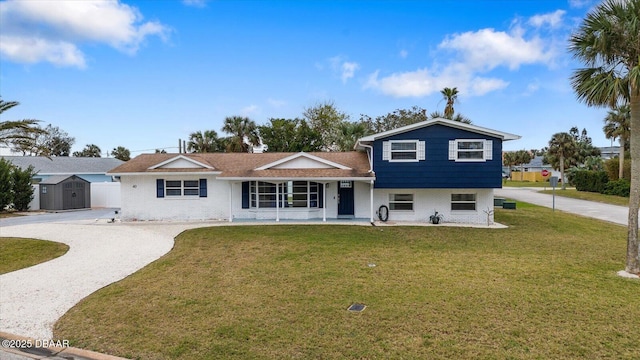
(100, 253)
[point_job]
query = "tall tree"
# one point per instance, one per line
(90, 150)
(121, 153)
(456, 117)
(243, 133)
(16, 130)
(617, 127)
(326, 119)
(395, 119)
(608, 43)
(349, 134)
(522, 157)
(6, 195)
(51, 142)
(509, 159)
(562, 147)
(450, 95)
(290, 135)
(204, 142)
(584, 147)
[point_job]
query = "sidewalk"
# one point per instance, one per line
(612, 213)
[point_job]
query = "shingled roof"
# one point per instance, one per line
(236, 166)
(63, 165)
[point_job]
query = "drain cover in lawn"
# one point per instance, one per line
(356, 307)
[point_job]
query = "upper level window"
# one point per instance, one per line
(470, 150)
(403, 150)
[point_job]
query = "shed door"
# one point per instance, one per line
(73, 197)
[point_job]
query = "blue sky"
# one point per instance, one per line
(143, 74)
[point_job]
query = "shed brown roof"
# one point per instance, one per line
(243, 165)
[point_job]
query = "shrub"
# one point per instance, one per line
(22, 189)
(587, 180)
(621, 187)
(6, 196)
(612, 166)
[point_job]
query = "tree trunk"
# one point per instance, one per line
(564, 186)
(633, 247)
(621, 156)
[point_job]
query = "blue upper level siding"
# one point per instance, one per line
(437, 171)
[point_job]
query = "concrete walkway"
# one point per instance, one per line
(612, 213)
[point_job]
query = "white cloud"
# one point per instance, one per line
(403, 54)
(345, 69)
(276, 103)
(553, 19)
(579, 3)
(487, 49)
(475, 53)
(424, 82)
(195, 3)
(58, 28)
(249, 110)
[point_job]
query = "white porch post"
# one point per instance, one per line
(277, 202)
(230, 201)
(324, 202)
(371, 199)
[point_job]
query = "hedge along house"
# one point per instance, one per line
(64, 193)
(436, 165)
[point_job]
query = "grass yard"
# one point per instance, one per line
(544, 288)
(18, 253)
(585, 195)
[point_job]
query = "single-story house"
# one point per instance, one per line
(413, 171)
(89, 168)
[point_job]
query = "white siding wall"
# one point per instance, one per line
(428, 201)
(35, 203)
(139, 201)
(105, 194)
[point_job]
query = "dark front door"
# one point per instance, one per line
(345, 198)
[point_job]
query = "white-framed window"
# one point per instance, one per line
(181, 188)
(403, 150)
(463, 202)
(402, 202)
(470, 150)
(291, 194)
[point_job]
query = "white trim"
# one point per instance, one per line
(168, 173)
(483, 151)
(180, 157)
(315, 179)
(305, 155)
(455, 124)
(388, 148)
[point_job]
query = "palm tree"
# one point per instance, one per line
(15, 131)
(617, 127)
(203, 142)
(450, 95)
(349, 133)
(522, 157)
(608, 43)
(242, 130)
(509, 159)
(562, 147)
(456, 117)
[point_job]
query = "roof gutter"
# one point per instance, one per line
(369, 153)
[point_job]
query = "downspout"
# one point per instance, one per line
(370, 157)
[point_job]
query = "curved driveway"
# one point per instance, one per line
(100, 253)
(612, 213)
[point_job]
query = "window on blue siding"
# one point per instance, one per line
(401, 202)
(403, 150)
(470, 150)
(463, 201)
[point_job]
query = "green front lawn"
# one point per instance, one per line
(517, 183)
(585, 195)
(544, 288)
(18, 253)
